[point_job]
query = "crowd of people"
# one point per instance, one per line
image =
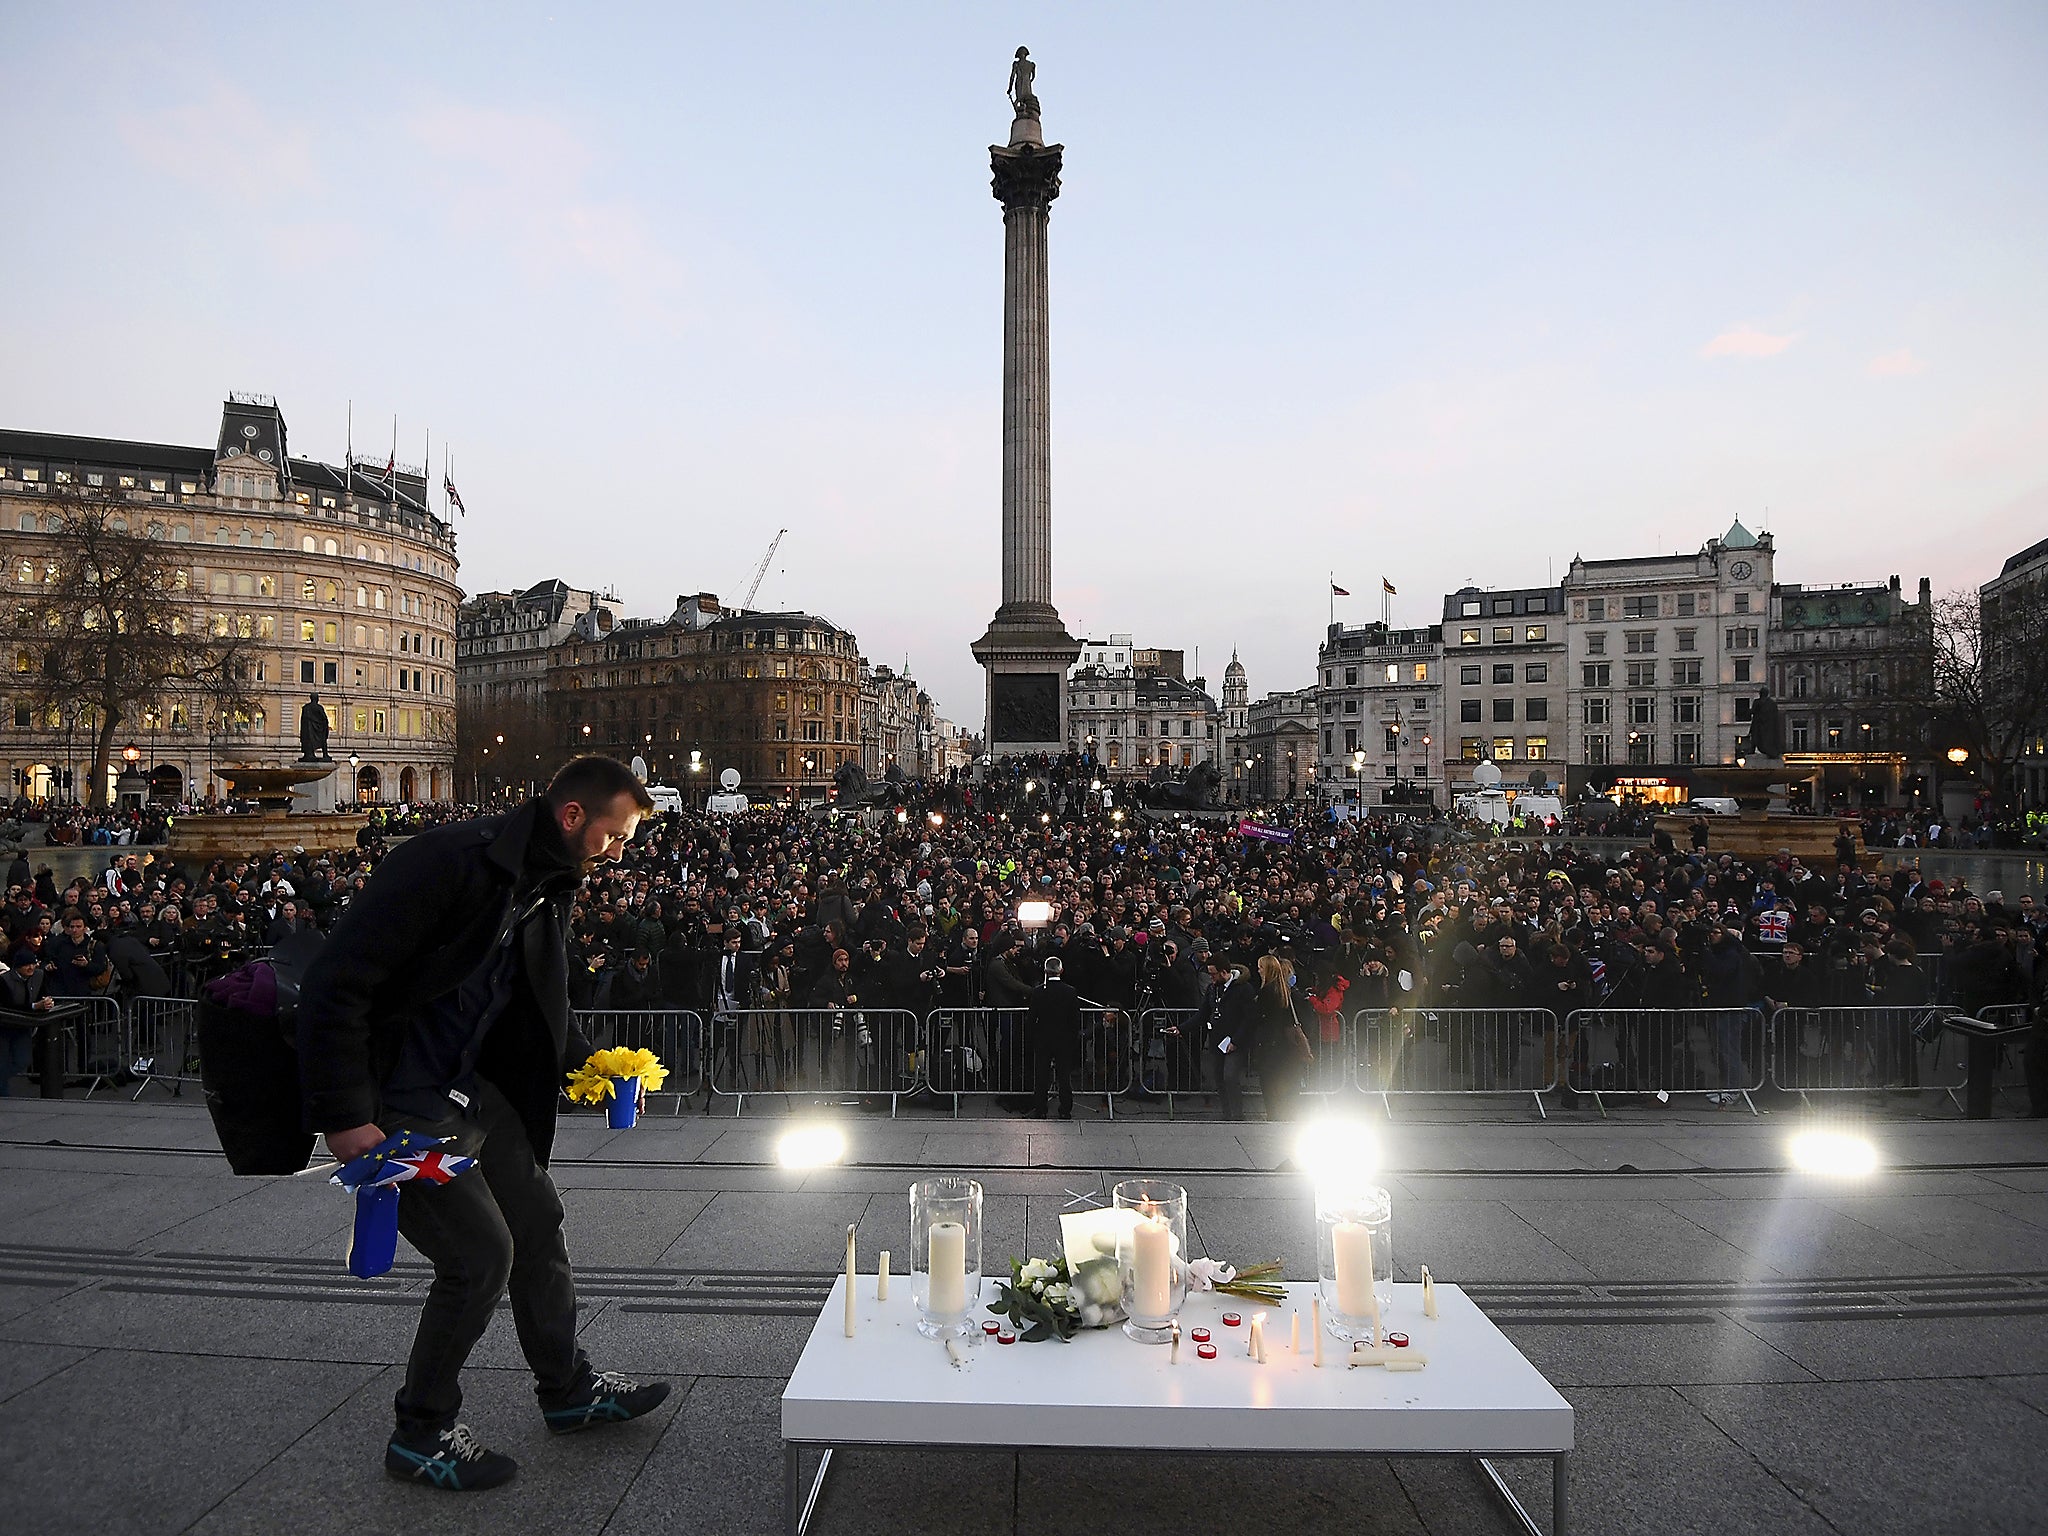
(1198, 960)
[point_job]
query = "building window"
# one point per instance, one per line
(1468, 610)
(1469, 710)
(1422, 672)
(1468, 637)
(1470, 748)
(1640, 746)
(1685, 674)
(1598, 750)
(1639, 607)
(1534, 632)
(1742, 669)
(1503, 605)
(1743, 706)
(1393, 672)
(1596, 643)
(1802, 735)
(1536, 672)
(1351, 677)
(1642, 709)
(1503, 709)
(1535, 709)
(1642, 674)
(1685, 747)
(1596, 609)
(1685, 709)
(1503, 749)
(1504, 634)
(1742, 637)
(330, 672)
(1639, 642)
(1597, 674)
(1596, 711)
(1536, 748)
(1468, 676)
(1503, 672)
(1686, 605)
(1742, 602)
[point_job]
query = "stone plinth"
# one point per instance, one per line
(253, 833)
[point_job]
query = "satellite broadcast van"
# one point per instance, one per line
(728, 801)
(665, 798)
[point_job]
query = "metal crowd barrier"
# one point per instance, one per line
(675, 1035)
(1464, 1051)
(2009, 1075)
(1840, 1050)
(90, 1042)
(1169, 1054)
(163, 1042)
(1665, 1051)
(987, 1053)
(861, 1052)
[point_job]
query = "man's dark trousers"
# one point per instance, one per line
(499, 1224)
(1053, 1054)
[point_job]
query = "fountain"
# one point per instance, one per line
(273, 825)
(1765, 824)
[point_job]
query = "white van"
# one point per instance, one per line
(1713, 805)
(665, 799)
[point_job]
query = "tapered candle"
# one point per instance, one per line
(849, 1281)
(1315, 1323)
(882, 1278)
(1428, 1293)
(1256, 1344)
(1174, 1357)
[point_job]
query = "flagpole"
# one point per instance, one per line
(349, 453)
(1333, 598)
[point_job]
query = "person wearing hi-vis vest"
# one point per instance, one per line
(440, 1005)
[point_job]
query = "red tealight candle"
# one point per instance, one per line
(1231, 1319)
(991, 1328)
(1006, 1337)
(1398, 1340)
(1200, 1335)
(1206, 1351)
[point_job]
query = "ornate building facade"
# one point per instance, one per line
(341, 578)
(1232, 730)
(1380, 697)
(774, 695)
(502, 640)
(1504, 686)
(1280, 744)
(1852, 670)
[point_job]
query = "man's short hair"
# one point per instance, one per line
(1054, 965)
(594, 781)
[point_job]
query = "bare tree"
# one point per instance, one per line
(1991, 677)
(508, 740)
(105, 631)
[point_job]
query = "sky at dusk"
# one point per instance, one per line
(1431, 293)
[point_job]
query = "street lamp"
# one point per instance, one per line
(1959, 755)
(1358, 772)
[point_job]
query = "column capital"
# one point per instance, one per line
(1025, 176)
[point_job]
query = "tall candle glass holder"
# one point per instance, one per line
(945, 1255)
(1354, 1259)
(1151, 1256)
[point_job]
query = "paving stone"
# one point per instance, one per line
(1173, 1495)
(23, 1365)
(332, 1478)
(627, 1226)
(806, 1234)
(1615, 1240)
(1801, 1236)
(191, 1429)
(1877, 1349)
(1650, 1354)
(1817, 1439)
(716, 1467)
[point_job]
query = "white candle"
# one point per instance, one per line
(1152, 1266)
(946, 1272)
(1255, 1345)
(849, 1281)
(1352, 1241)
(882, 1278)
(1428, 1293)
(1294, 1334)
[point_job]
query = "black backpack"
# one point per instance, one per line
(249, 1060)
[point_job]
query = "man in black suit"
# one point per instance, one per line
(735, 985)
(1055, 1029)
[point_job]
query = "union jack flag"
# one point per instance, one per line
(405, 1157)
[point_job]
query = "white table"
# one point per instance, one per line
(889, 1385)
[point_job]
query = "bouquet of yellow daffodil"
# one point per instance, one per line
(597, 1079)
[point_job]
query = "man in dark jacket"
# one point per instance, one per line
(1054, 1032)
(440, 1005)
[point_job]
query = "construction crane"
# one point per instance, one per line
(761, 570)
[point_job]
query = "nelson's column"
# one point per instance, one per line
(1027, 650)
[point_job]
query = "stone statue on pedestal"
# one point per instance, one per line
(1022, 73)
(313, 732)
(1766, 727)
